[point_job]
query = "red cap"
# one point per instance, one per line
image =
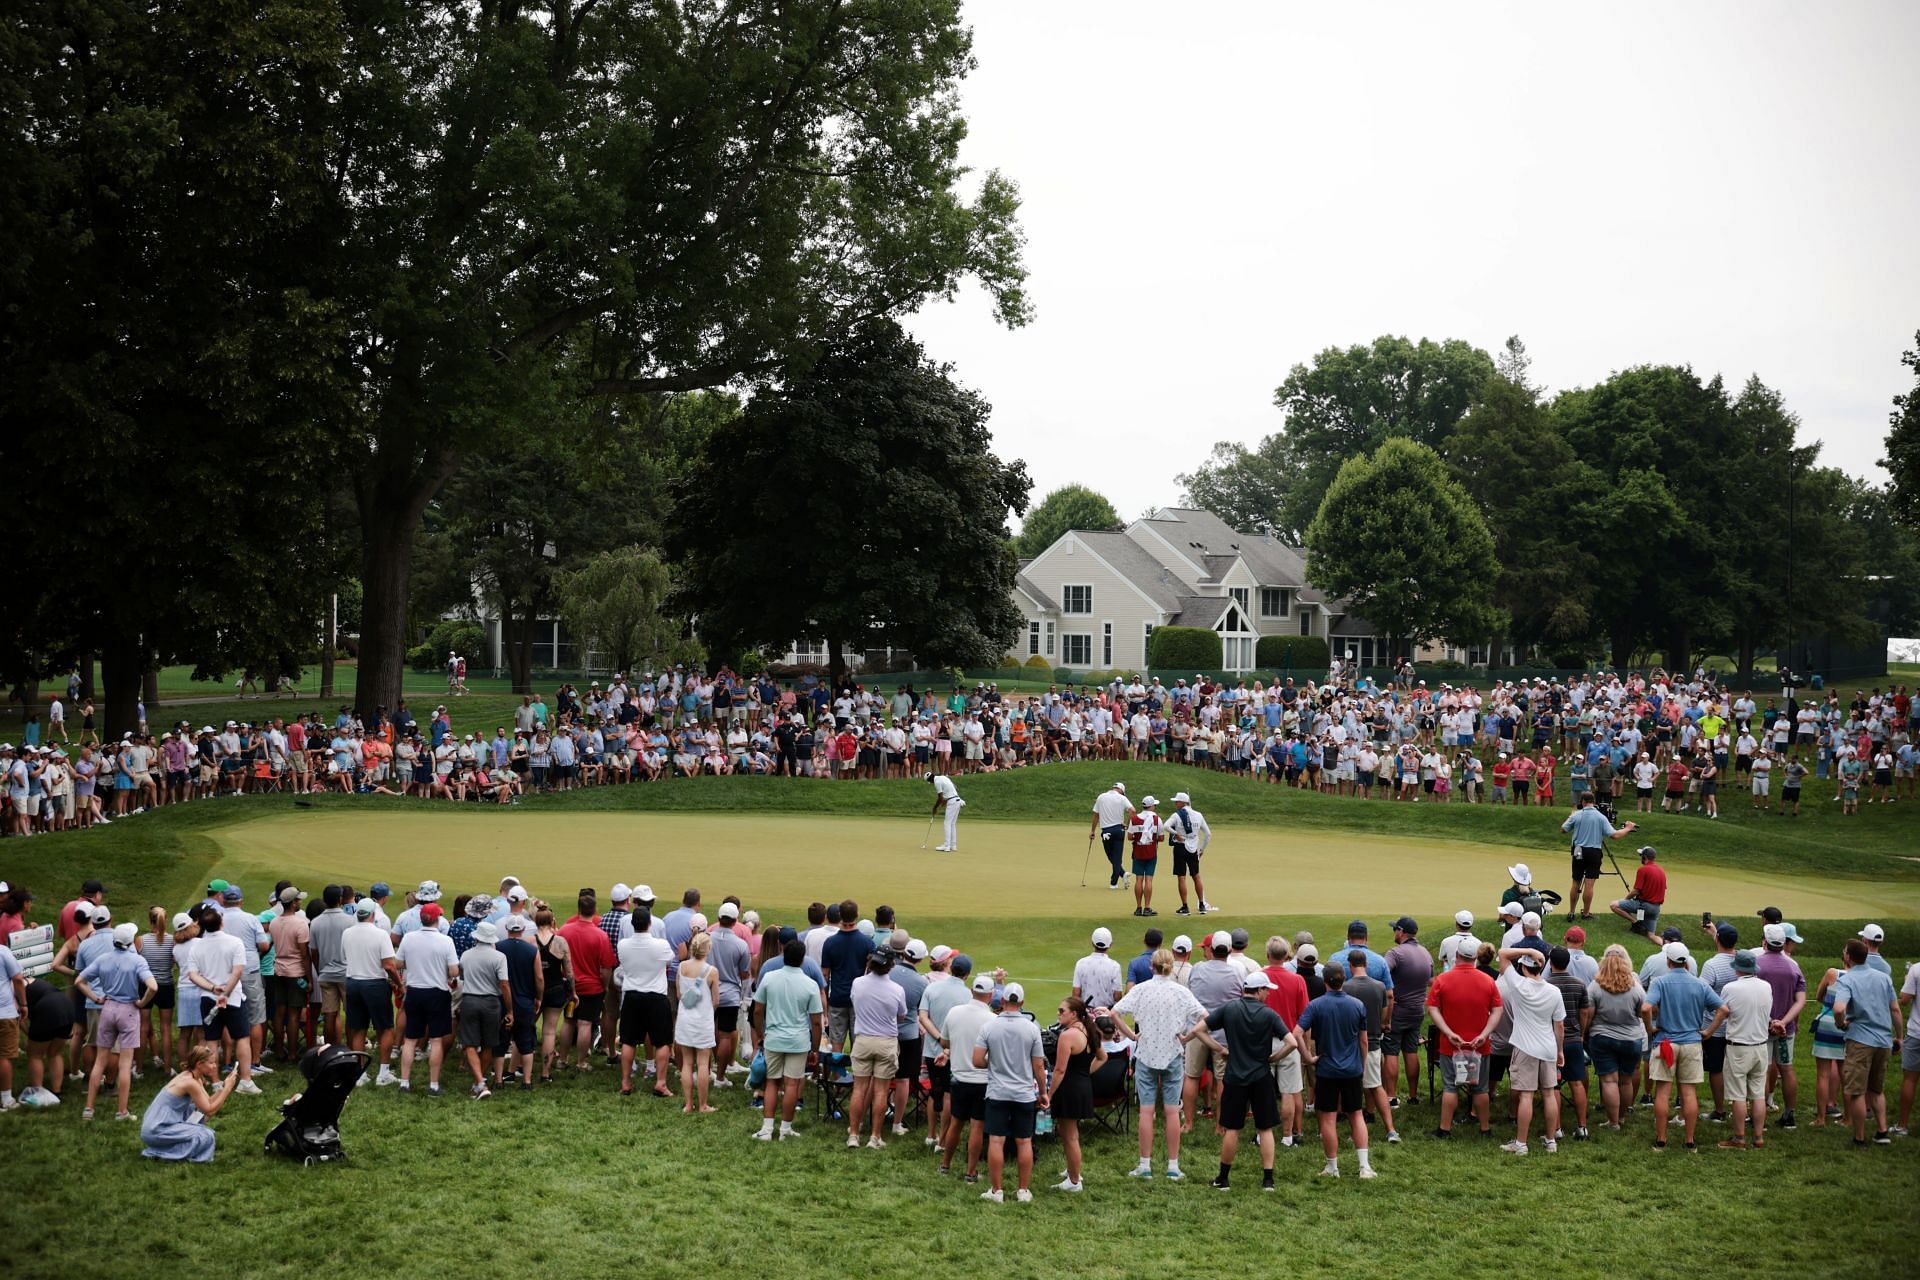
(1576, 934)
(431, 912)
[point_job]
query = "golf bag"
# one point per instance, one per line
(309, 1125)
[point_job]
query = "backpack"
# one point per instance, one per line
(693, 993)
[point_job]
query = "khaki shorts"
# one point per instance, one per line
(1201, 1055)
(1370, 1070)
(1687, 1065)
(333, 996)
(1530, 1074)
(786, 1066)
(1864, 1070)
(1286, 1073)
(1746, 1072)
(875, 1056)
(9, 1039)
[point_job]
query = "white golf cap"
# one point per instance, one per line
(1874, 933)
(1103, 937)
(516, 924)
(1775, 935)
(643, 893)
(102, 916)
(1531, 920)
(983, 983)
(1512, 909)
(916, 950)
(1520, 874)
(1676, 952)
(1183, 943)
(866, 927)
(1464, 919)
(728, 911)
(1180, 797)
(517, 894)
(1013, 993)
(1220, 938)
(181, 920)
(621, 893)
(1255, 981)
(1121, 787)
(1148, 802)
(942, 953)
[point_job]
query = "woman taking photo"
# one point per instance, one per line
(1076, 1057)
(1612, 1027)
(175, 1125)
(556, 969)
(693, 1030)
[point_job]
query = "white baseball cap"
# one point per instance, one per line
(181, 920)
(1183, 943)
(942, 953)
(643, 893)
(1220, 938)
(515, 924)
(983, 983)
(1676, 952)
(916, 950)
(621, 893)
(1256, 981)
(1121, 787)
(1464, 919)
(1775, 935)
(517, 894)
(1874, 933)
(1103, 937)
(1512, 909)
(1014, 993)
(1531, 920)
(1180, 797)
(1148, 802)
(728, 911)
(124, 934)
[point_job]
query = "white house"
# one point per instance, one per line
(1092, 600)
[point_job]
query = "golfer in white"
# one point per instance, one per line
(947, 797)
(1188, 832)
(1111, 812)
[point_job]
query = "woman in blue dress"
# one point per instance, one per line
(175, 1125)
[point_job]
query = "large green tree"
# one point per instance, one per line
(1399, 538)
(1903, 444)
(613, 605)
(625, 196)
(1071, 506)
(1248, 488)
(168, 375)
(880, 517)
(1350, 400)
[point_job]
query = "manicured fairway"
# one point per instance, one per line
(1005, 869)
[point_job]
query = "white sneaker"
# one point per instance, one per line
(248, 1087)
(853, 1141)
(1366, 1171)
(260, 1070)
(941, 848)
(386, 1077)
(876, 1144)
(899, 1131)
(762, 1135)
(1514, 1148)
(994, 1196)
(1068, 1186)
(1329, 1173)
(1023, 1195)
(361, 1083)
(1552, 1145)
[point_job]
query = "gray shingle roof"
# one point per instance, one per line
(1038, 596)
(1131, 562)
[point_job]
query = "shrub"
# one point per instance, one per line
(752, 663)
(1297, 653)
(1191, 648)
(1037, 663)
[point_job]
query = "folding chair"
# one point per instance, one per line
(1433, 1058)
(1113, 1099)
(834, 1085)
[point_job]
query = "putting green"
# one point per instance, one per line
(1005, 869)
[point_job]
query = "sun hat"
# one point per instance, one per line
(429, 891)
(643, 894)
(1744, 962)
(485, 932)
(480, 905)
(1520, 873)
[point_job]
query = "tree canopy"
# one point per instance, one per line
(1071, 506)
(1903, 443)
(881, 517)
(1399, 538)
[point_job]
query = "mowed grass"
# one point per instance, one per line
(574, 1176)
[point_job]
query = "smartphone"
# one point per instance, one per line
(1706, 918)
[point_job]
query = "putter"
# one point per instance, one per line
(929, 835)
(1086, 861)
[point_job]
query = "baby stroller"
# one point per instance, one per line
(308, 1130)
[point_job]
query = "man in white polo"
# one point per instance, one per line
(1189, 834)
(946, 798)
(1111, 812)
(1096, 977)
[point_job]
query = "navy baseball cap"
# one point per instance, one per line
(381, 889)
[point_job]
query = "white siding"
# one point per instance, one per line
(1069, 561)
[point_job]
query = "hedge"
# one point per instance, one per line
(1291, 653)
(1176, 647)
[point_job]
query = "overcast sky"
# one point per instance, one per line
(1214, 192)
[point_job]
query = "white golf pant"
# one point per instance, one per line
(953, 822)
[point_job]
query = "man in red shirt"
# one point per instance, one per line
(1641, 907)
(590, 952)
(1287, 997)
(92, 894)
(1464, 1004)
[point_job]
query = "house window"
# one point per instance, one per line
(1146, 645)
(1076, 649)
(1077, 599)
(1275, 602)
(1306, 622)
(1106, 644)
(1236, 653)
(1239, 595)
(1033, 638)
(1049, 639)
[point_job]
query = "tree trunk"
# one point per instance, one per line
(836, 660)
(1620, 644)
(1679, 653)
(120, 671)
(150, 688)
(1745, 659)
(87, 691)
(517, 640)
(392, 501)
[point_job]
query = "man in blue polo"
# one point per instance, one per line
(1677, 1006)
(1332, 1037)
(1377, 967)
(1588, 829)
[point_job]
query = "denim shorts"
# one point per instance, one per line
(1611, 1057)
(1159, 1085)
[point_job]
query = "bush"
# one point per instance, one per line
(468, 639)
(752, 663)
(1037, 663)
(1194, 648)
(1296, 653)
